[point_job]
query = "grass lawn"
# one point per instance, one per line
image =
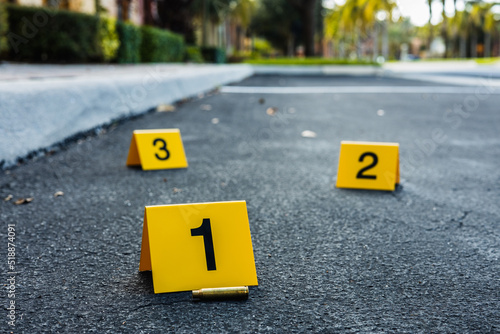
(480, 61)
(308, 61)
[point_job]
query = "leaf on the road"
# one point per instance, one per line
(308, 134)
(262, 100)
(165, 108)
(206, 107)
(8, 198)
(58, 193)
(176, 190)
(271, 111)
(23, 201)
(215, 121)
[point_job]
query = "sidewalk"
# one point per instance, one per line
(42, 105)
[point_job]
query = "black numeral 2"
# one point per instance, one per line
(206, 232)
(360, 174)
(161, 148)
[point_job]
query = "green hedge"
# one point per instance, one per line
(42, 34)
(108, 38)
(3, 29)
(213, 54)
(193, 54)
(39, 34)
(130, 43)
(161, 45)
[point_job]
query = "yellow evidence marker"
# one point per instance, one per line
(157, 149)
(368, 165)
(196, 246)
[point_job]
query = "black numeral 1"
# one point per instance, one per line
(206, 232)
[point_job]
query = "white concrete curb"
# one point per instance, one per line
(36, 114)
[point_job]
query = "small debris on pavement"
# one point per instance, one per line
(271, 111)
(58, 193)
(165, 180)
(215, 121)
(8, 198)
(206, 107)
(292, 110)
(176, 190)
(380, 112)
(23, 201)
(165, 108)
(262, 100)
(308, 134)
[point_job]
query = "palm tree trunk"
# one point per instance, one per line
(385, 40)
(342, 49)
(473, 45)
(290, 46)
(375, 41)
(430, 37)
(309, 24)
(444, 33)
(487, 45)
(463, 47)
(358, 43)
(204, 29)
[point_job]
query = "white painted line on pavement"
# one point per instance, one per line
(483, 90)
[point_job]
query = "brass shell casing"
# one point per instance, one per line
(232, 293)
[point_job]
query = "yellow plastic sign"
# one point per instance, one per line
(195, 246)
(368, 165)
(157, 149)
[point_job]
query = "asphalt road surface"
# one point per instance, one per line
(421, 259)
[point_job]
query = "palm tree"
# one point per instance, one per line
(430, 37)
(463, 19)
(457, 34)
(444, 32)
(358, 18)
(488, 28)
(306, 10)
(371, 9)
(474, 24)
(210, 10)
(452, 29)
(351, 20)
(241, 13)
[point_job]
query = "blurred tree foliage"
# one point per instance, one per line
(177, 16)
(400, 32)
(289, 23)
(3, 28)
(180, 16)
(306, 10)
(279, 23)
